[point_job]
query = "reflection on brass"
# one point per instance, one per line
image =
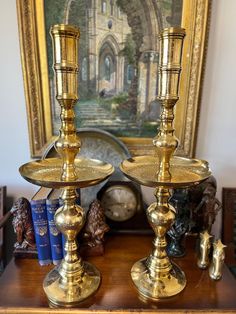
(205, 245)
(215, 270)
(156, 277)
(185, 171)
(171, 43)
(47, 172)
(73, 280)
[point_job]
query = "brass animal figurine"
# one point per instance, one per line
(215, 270)
(22, 224)
(205, 245)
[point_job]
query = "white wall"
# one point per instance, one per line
(217, 129)
(13, 120)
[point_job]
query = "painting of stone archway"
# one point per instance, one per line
(118, 59)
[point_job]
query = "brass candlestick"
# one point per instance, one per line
(156, 277)
(74, 280)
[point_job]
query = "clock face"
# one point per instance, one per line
(119, 203)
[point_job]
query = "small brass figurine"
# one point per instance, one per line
(22, 224)
(215, 270)
(205, 246)
(94, 231)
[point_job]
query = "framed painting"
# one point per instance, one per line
(118, 59)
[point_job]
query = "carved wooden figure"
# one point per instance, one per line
(94, 230)
(22, 224)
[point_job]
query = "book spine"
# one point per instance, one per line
(39, 217)
(54, 233)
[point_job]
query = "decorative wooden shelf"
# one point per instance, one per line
(21, 289)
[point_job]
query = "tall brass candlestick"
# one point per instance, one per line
(156, 277)
(73, 280)
(70, 218)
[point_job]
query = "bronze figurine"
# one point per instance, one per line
(22, 224)
(204, 205)
(196, 211)
(94, 231)
(175, 235)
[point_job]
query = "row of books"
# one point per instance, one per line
(49, 241)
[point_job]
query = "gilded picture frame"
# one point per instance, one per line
(33, 44)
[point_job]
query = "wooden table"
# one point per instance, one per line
(21, 284)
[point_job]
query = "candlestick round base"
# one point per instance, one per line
(70, 295)
(164, 285)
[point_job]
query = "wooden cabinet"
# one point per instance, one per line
(21, 288)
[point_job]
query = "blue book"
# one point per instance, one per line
(41, 231)
(52, 204)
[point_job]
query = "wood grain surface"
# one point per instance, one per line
(21, 289)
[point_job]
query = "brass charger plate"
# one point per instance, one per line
(47, 172)
(184, 171)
